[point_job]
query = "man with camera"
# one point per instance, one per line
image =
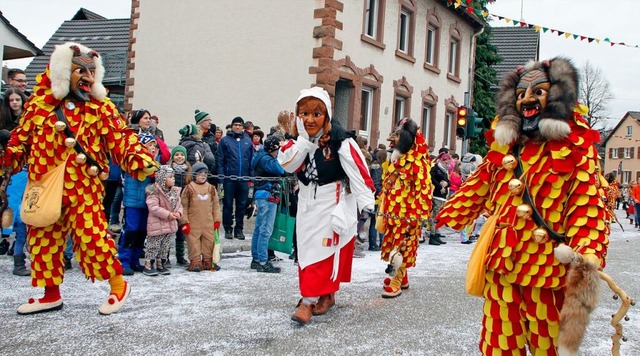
(267, 196)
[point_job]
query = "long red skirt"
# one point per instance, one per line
(315, 280)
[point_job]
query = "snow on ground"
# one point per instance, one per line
(243, 312)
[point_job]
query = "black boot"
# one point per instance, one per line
(433, 241)
(19, 269)
(437, 238)
(228, 234)
(180, 254)
(67, 263)
(11, 250)
(4, 246)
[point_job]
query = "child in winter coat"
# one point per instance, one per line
(201, 217)
(165, 209)
(182, 174)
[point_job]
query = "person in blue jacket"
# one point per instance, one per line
(235, 152)
(266, 196)
(134, 232)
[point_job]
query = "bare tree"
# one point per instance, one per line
(595, 92)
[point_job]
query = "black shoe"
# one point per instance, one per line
(138, 268)
(4, 246)
(374, 248)
(150, 271)
(268, 268)
(67, 264)
(181, 261)
(238, 235)
(437, 238)
(216, 267)
(466, 242)
(162, 271)
(228, 234)
(10, 252)
(433, 241)
(255, 264)
(275, 259)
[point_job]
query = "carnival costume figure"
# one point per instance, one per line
(334, 185)
(539, 181)
(405, 201)
(43, 141)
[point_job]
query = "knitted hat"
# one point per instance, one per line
(200, 115)
(188, 130)
(146, 138)
(271, 144)
(178, 149)
(237, 120)
(198, 167)
(162, 174)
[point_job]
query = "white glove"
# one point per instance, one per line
(301, 130)
(369, 209)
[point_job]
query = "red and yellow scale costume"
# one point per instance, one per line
(524, 282)
(101, 131)
(407, 191)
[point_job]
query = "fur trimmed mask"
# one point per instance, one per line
(76, 70)
(537, 101)
(403, 138)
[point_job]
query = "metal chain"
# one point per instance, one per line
(249, 178)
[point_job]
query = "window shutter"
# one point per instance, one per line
(611, 152)
(620, 152)
(638, 153)
(631, 152)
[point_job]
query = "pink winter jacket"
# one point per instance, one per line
(158, 222)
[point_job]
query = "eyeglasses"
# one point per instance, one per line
(23, 81)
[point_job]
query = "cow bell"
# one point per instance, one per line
(509, 162)
(524, 211)
(516, 186)
(93, 171)
(81, 158)
(69, 141)
(60, 126)
(540, 235)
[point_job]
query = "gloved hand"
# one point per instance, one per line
(186, 229)
(369, 209)
(216, 225)
(301, 130)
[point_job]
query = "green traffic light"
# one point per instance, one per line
(474, 125)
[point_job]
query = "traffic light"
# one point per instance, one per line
(473, 125)
(462, 122)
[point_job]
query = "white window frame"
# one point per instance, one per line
(366, 111)
(448, 119)
(614, 153)
(430, 56)
(626, 177)
(453, 56)
(400, 104)
(371, 23)
(627, 152)
(426, 121)
(405, 31)
(629, 130)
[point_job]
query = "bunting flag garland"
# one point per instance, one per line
(485, 14)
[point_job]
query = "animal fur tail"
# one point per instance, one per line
(581, 296)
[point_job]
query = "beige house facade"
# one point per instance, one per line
(622, 148)
(380, 60)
